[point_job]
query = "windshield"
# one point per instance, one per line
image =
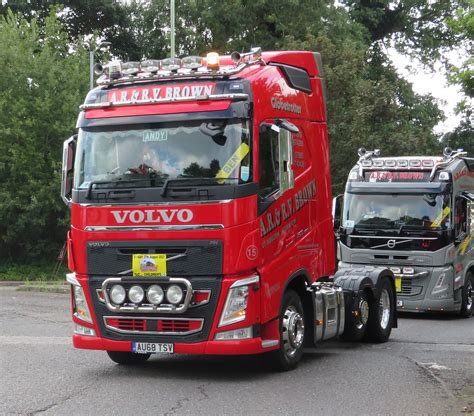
(395, 211)
(146, 154)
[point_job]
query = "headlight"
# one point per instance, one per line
(136, 294)
(236, 302)
(174, 294)
(155, 294)
(81, 310)
(117, 294)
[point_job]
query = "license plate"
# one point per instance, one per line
(399, 302)
(151, 347)
(398, 284)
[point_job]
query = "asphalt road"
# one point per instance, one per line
(426, 368)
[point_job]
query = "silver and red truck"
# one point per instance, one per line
(415, 215)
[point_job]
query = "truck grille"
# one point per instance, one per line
(409, 289)
(154, 325)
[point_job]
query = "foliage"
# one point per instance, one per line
(416, 27)
(44, 79)
(40, 271)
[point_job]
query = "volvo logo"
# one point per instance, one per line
(153, 216)
(391, 243)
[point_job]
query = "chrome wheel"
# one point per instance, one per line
(292, 330)
(363, 313)
(384, 308)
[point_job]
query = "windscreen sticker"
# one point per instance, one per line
(149, 264)
(233, 161)
(441, 217)
(463, 246)
(349, 224)
(155, 135)
(244, 173)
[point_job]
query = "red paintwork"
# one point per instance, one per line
(304, 241)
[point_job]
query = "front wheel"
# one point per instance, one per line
(291, 334)
(127, 358)
(382, 314)
(467, 298)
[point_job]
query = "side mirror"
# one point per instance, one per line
(67, 176)
(337, 211)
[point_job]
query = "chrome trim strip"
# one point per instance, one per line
(159, 204)
(71, 278)
(245, 282)
(154, 227)
(267, 343)
(394, 243)
(137, 309)
(123, 331)
(210, 97)
(413, 276)
(392, 238)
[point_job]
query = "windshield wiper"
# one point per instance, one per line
(92, 184)
(200, 181)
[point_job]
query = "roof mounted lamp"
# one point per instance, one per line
(212, 61)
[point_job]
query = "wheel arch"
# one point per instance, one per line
(366, 279)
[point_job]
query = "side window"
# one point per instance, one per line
(470, 217)
(269, 153)
(460, 216)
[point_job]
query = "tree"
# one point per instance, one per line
(44, 79)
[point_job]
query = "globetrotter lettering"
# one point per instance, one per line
(155, 93)
(280, 214)
(152, 216)
(285, 106)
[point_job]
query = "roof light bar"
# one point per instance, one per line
(192, 62)
(150, 65)
(131, 68)
(171, 64)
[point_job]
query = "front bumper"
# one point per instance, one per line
(242, 347)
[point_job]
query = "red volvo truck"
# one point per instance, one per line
(201, 218)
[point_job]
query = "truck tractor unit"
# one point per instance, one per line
(201, 220)
(414, 215)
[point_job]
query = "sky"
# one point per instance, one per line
(427, 82)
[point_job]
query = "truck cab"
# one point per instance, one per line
(414, 215)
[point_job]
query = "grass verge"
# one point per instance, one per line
(44, 272)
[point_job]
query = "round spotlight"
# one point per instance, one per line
(136, 294)
(117, 294)
(155, 294)
(174, 294)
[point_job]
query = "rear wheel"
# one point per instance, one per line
(382, 314)
(127, 358)
(291, 334)
(356, 319)
(467, 296)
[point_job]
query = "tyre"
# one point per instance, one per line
(467, 296)
(382, 314)
(291, 334)
(356, 320)
(127, 358)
